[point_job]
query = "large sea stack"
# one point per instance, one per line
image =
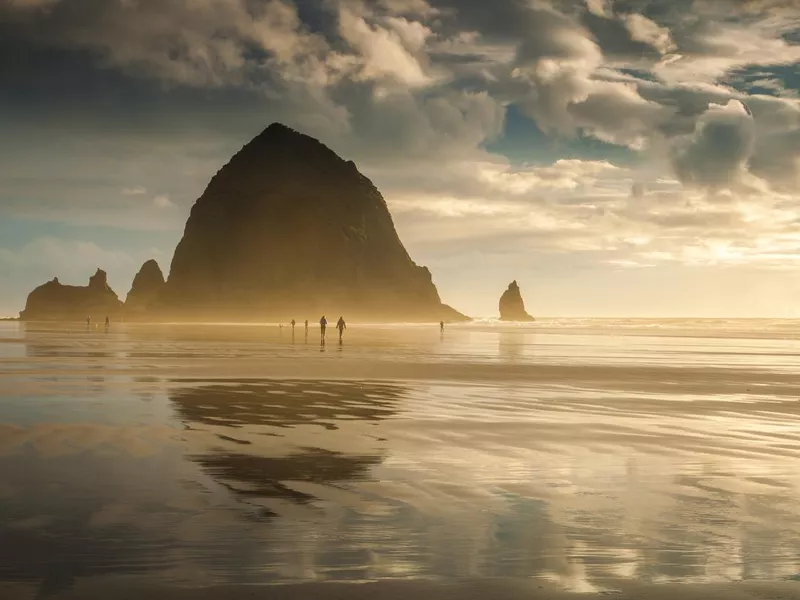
(54, 301)
(512, 308)
(288, 229)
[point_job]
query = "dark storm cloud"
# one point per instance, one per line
(718, 152)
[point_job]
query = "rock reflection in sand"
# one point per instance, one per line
(267, 408)
(286, 403)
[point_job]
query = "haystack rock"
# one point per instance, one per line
(54, 301)
(512, 308)
(146, 291)
(288, 229)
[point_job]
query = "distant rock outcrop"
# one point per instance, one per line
(512, 308)
(146, 291)
(288, 229)
(54, 301)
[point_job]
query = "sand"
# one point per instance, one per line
(471, 590)
(555, 461)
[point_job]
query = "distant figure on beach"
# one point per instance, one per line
(341, 326)
(88, 322)
(108, 323)
(441, 326)
(306, 327)
(293, 325)
(323, 323)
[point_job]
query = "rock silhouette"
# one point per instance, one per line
(146, 291)
(54, 301)
(289, 228)
(512, 308)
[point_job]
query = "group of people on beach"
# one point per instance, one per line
(89, 323)
(340, 325)
(323, 325)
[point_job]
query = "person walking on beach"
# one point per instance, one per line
(306, 326)
(323, 323)
(88, 322)
(341, 326)
(108, 323)
(293, 323)
(441, 326)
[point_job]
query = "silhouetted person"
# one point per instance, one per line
(108, 323)
(441, 326)
(306, 325)
(341, 326)
(323, 324)
(293, 325)
(88, 322)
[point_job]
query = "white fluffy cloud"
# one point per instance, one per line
(389, 52)
(644, 30)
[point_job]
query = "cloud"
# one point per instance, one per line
(162, 201)
(598, 8)
(134, 191)
(386, 52)
(776, 157)
(718, 151)
(353, 57)
(644, 30)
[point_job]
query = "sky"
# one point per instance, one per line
(634, 158)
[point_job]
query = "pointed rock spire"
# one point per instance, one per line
(512, 307)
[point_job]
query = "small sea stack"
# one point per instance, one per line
(512, 307)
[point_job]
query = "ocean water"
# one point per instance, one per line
(581, 453)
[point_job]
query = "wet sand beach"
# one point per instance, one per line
(630, 459)
(400, 590)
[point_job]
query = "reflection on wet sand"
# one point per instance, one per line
(582, 476)
(52, 525)
(255, 408)
(511, 345)
(286, 403)
(263, 476)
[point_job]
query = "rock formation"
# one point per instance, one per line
(146, 291)
(512, 308)
(54, 301)
(288, 229)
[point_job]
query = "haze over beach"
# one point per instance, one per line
(446, 299)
